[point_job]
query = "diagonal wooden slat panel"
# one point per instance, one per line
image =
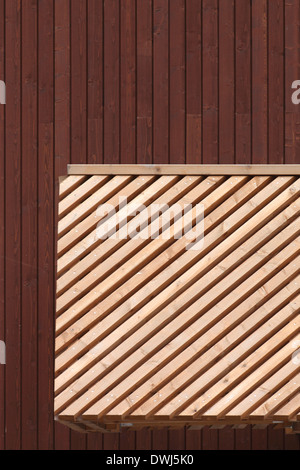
(150, 332)
(166, 257)
(163, 316)
(216, 342)
(80, 193)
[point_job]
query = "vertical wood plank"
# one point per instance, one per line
(176, 439)
(144, 71)
(275, 439)
(95, 441)
(210, 74)
(78, 81)
(62, 86)
(95, 30)
(194, 81)
(291, 442)
(226, 438)
(160, 439)
(2, 226)
(259, 439)
(62, 134)
(45, 225)
(259, 81)
(292, 73)
(177, 81)
(210, 439)
(127, 440)
(144, 439)
(62, 437)
(243, 438)
(29, 224)
(13, 226)
(243, 81)
(193, 440)
(161, 81)
(276, 82)
(78, 116)
(128, 81)
(226, 82)
(111, 441)
(111, 81)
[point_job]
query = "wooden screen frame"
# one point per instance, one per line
(180, 170)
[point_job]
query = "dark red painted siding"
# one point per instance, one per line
(129, 81)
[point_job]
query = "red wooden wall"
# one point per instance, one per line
(129, 81)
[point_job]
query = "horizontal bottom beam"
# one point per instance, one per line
(87, 426)
(255, 170)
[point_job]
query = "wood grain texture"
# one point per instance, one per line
(62, 142)
(45, 221)
(13, 296)
(29, 243)
(95, 74)
(144, 70)
(243, 82)
(103, 81)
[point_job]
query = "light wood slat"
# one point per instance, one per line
(267, 389)
(198, 356)
(97, 198)
(211, 220)
(72, 247)
(201, 324)
(118, 257)
(80, 193)
(195, 289)
(70, 183)
(274, 400)
(276, 358)
(200, 364)
(182, 263)
(289, 410)
(184, 169)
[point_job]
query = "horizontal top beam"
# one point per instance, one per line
(256, 170)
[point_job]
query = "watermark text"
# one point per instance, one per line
(2, 92)
(158, 221)
(2, 353)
